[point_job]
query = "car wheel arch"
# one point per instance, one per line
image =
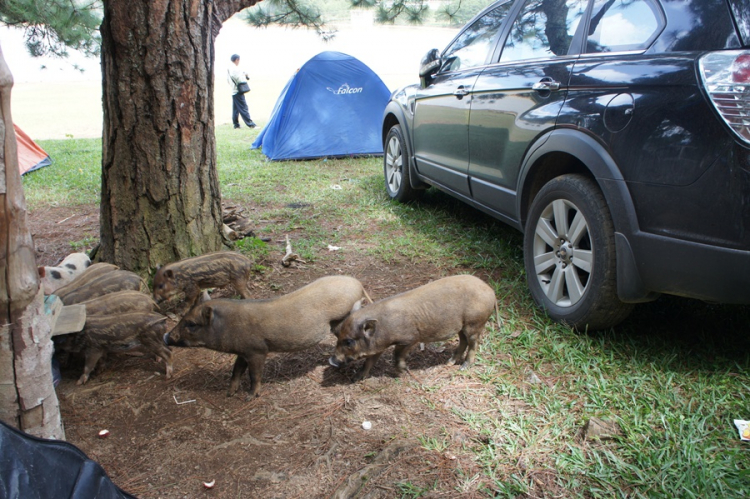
(570, 152)
(565, 151)
(394, 115)
(389, 120)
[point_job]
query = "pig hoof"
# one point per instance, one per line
(464, 366)
(82, 380)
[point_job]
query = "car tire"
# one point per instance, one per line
(569, 254)
(396, 167)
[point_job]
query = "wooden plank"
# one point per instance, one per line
(71, 319)
(64, 319)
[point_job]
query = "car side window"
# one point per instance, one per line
(473, 45)
(622, 25)
(543, 29)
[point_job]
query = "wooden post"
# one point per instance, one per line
(27, 396)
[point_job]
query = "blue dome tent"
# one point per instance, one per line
(333, 106)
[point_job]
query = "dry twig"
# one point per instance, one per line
(290, 257)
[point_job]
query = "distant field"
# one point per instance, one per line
(61, 102)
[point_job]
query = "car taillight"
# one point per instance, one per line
(726, 76)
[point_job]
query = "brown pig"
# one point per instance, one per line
(437, 311)
(120, 302)
(212, 270)
(253, 328)
(104, 334)
(91, 273)
(108, 282)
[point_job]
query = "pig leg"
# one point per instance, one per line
(256, 362)
(472, 337)
(155, 345)
(92, 357)
(165, 354)
(458, 354)
(239, 369)
(102, 364)
(240, 286)
(365, 372)
(400, 352)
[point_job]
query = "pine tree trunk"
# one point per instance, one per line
(160, 188)
(27, 396)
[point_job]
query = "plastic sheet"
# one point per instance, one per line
(36, 468)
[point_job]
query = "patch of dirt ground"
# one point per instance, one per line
(303, 437)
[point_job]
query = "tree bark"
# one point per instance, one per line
(160, 189)
(27, 396)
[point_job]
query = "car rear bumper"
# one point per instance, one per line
(648, 264)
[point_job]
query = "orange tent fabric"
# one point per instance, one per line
(30, 155)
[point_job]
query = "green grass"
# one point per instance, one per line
(673, 376)
(74, 177)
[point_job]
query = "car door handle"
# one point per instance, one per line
(461, 91)
(546, 84)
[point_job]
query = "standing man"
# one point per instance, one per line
(239, 104)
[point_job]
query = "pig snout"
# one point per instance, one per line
(173, 339)
(334, 361)
(339, 361)
(342, 356)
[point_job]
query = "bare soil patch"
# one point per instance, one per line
(303, 436)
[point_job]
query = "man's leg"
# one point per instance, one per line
(244, 112)
(236, 109)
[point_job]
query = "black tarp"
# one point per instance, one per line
(36, 468)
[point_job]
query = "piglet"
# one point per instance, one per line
(437, 311)
(254, 328)
(119, 333)
(212, 270)
(91, 273)
(108, 282)
(53, 278)
(120, 302)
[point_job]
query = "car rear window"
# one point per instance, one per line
(620, 25)
(543, 30)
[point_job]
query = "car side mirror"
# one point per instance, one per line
(428, 67)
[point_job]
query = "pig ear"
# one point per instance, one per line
(169, 274)
(357, 305)
(207, 313)
(369, 327)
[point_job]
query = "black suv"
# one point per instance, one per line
(614, 133)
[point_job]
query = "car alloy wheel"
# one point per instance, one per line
(396, 166)
(562, 253)
(394, 160)
(570, 255)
